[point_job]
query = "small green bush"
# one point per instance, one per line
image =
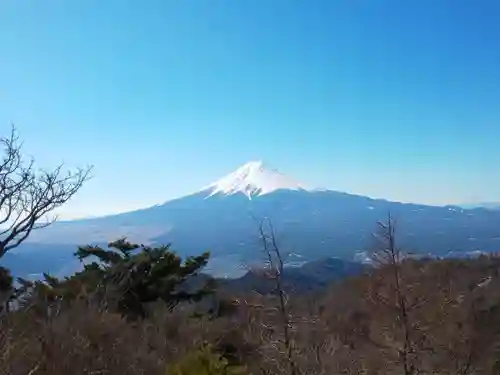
(205, 361)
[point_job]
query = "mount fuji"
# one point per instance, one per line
(223, 217)
(253, 179)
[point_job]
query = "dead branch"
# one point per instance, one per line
(27, 196)
(388, 254)
(272, 251)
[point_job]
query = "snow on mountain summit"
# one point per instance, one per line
(253, 179)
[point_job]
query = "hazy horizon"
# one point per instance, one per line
(389, 99)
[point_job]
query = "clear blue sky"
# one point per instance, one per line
(395, 99)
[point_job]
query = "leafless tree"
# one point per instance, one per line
(395, 300)
(27, 195)
(275, 269)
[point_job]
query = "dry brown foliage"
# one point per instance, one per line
(453, 320)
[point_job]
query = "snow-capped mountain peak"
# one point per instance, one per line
(253, 179)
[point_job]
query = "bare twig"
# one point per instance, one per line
(272, 251)
(27, 196)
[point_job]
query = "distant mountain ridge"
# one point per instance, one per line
(311, 276)
(311, 224)
(486, 205)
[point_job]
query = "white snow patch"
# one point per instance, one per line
(253, 179)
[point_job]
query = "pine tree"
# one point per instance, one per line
(138, 274)
(126, 277)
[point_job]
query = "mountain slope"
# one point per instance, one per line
(310, 224)
(311, 276)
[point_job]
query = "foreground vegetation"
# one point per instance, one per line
(142, 310)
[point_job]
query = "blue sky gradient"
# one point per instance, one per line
(387, 98)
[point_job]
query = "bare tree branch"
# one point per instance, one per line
(272, 251)
(388, 254)
(27, 196)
